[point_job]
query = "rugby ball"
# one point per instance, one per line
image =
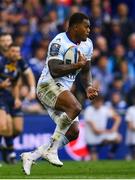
(71, 55)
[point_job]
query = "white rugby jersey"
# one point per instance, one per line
(56, 50)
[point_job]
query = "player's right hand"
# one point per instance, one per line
(5, 84)
(81, 60)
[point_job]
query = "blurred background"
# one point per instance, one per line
(33, 24)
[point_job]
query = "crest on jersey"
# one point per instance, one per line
(54, 49)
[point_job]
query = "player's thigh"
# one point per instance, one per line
(18, 123)
(55, 95)
(3, 120)
(10, 124)
(66, 101)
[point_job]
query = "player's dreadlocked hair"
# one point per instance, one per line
(77, 18)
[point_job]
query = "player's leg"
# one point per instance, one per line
(71, 135)
(55, 95)
(67, 103)
(3, 126)
(93, 149)
(112, 139)
(17, 125)
(9, 153)
(29, 158)
(5, 123)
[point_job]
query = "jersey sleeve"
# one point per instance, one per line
(56, 50)
(23, 65)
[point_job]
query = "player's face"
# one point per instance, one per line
(83, 30)
(14, 53)
(5, 42)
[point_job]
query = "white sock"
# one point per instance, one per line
(37, 153)
(63, 142)
(60, 131)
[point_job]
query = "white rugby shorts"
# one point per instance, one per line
(48, 92)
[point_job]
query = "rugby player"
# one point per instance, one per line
(54, 88)
(22, 67)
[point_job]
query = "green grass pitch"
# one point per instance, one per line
(72, 170)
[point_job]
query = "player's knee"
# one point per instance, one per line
(4, 130)
(17, 131)
(76, 109)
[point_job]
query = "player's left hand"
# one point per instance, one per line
(91, 92)
(32, 93)
(18, 103)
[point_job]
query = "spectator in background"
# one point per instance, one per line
(101, 44)
(26, 47)
(60, 7)
(131, 50)
(33, 7)
(127, 73)
(114, 34)
(118, 103)
(82, 7)
(74, 9)
(130, 139)
(12, 11)
(96, 117)
(96, 22)
(116, 85)
(100, 73)
(130, 96)
(117, 57)
(126, 23)
(38, 61)
(46, 30)
(106, 8)
(100, 48)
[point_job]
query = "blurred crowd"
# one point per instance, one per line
(34, 23)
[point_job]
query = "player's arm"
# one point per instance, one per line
(31, 82)
(5, 83)
(27, 72)
(94, 128)
(86, 77)
(117, 120)
(16, 93)
(58, 68)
